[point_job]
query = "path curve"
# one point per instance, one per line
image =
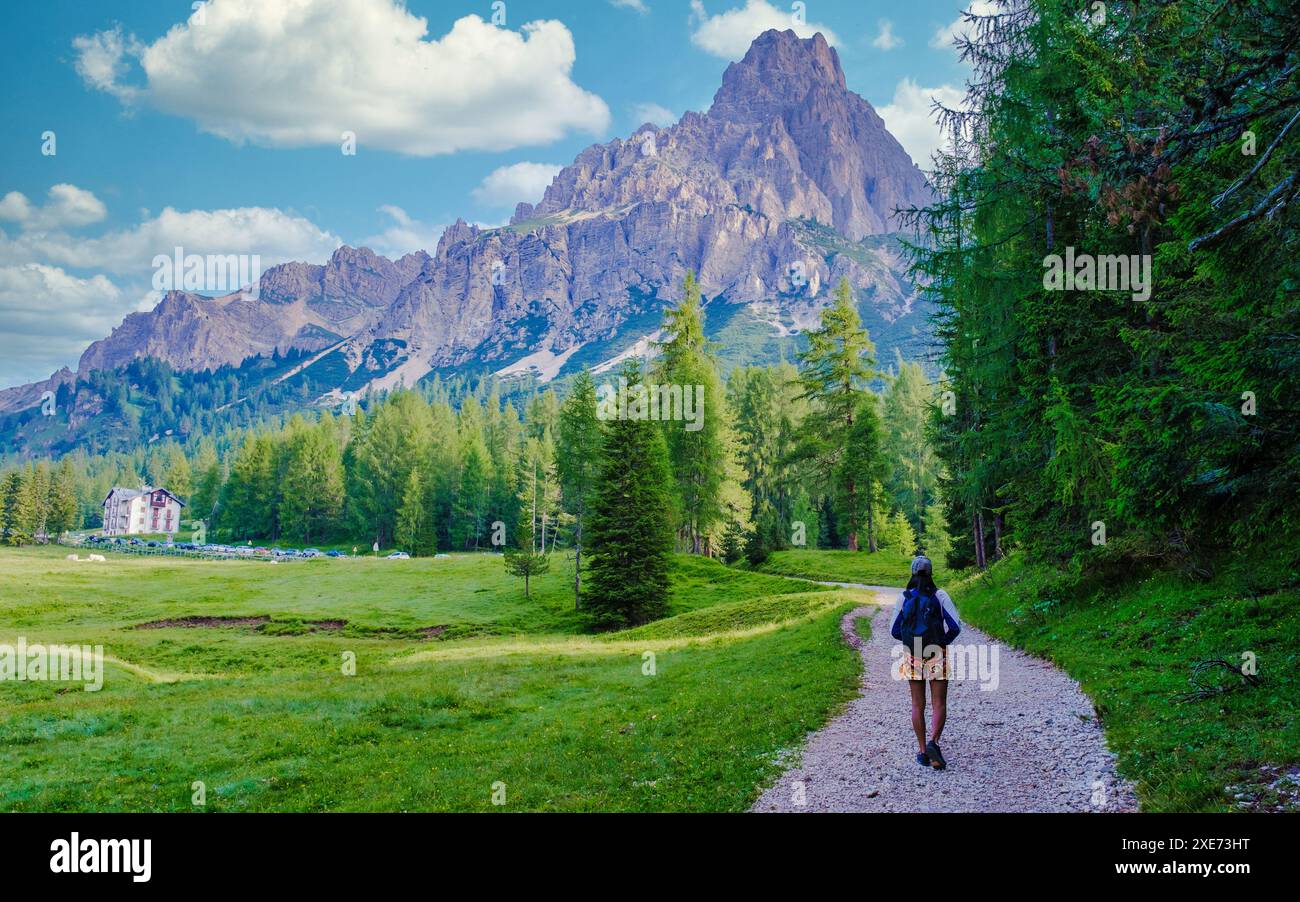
(1031, 744)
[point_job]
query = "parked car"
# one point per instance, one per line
(311, 552)
(399, 556)
(335, 554)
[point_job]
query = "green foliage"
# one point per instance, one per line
(857, 474)
(1174, 418)
(577, 460)
(697, 449)
(415, 533)
(912, 479)
(526, 560)
(935, 540)
(632, 521)
(834, 371)
(896, 534)
(1132, 641)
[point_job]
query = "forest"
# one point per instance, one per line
(764, 468)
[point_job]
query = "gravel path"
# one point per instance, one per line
(1030, 744)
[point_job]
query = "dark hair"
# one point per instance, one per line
(923, 580)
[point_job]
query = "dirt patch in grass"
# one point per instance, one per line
(293, 626)
(204, 622)
(327, 625)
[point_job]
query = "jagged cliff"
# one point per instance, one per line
(787, 183)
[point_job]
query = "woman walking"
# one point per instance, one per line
(926, 623)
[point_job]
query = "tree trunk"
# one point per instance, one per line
(998, 525)
(577, 566)
(853, 527)
(981, 559)
(871, 524)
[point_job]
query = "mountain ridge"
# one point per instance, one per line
(786, 184)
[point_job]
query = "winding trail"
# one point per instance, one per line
(1033, 743)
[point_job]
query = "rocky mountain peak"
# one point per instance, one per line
(767, 197)
(779, 71)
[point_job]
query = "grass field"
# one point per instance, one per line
(461, 686)
(1132, 649)
(883, 568)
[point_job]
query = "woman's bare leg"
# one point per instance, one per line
(918, 712)
(939, 698)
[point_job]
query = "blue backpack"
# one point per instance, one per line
(919, 617)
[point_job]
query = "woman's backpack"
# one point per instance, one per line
(920, 617)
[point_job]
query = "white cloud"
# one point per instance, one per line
(274, 235)
(638, 5)
(729, 34)
(51, 314)
(654, 114)
(405, 236)
(911, 119)
(302, 72)
(49, 317)
(885, 39)
(102, 61)
(509, 185)
(959, 27)
(68, 206)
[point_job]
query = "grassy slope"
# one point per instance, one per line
(276, 726)
(1132, 648)
(884, 568)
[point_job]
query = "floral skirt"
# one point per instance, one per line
(935, 667)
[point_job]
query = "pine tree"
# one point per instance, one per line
(697, 448)
(471, 498)
(11, 499)
(249, 496)
(859, 471)
(64, 514)
(578, 444)
(207, 487)
(34, 502)
(912, 467)
(525, 559)
(311, 482)
(935, 541)
(415, 532)
(834, 371)
(632, 522)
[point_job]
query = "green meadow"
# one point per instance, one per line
(461, 691)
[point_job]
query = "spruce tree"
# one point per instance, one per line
(11, 495)
(834, 371)
(632, 521)
(64, 514)
(525, 559)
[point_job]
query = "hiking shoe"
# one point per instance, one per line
(935, 756)
(923, 759)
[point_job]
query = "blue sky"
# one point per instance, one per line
(221, 128)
